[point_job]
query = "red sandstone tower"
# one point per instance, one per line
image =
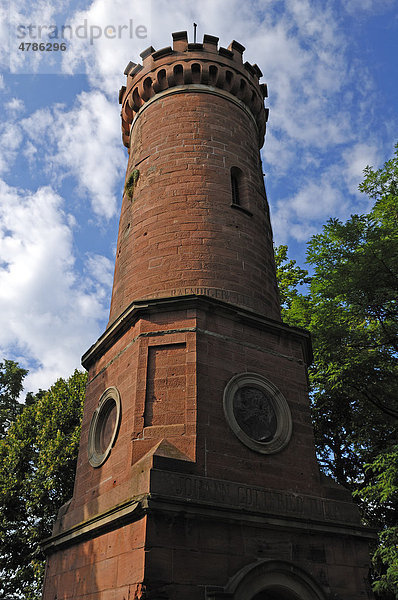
(197, 476)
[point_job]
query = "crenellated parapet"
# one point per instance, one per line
(193, 67)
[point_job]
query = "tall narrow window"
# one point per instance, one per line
(235, 186)
(239, 193)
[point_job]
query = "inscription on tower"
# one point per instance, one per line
(211, 292)
(255, 499)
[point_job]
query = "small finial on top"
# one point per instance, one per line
(194, 32)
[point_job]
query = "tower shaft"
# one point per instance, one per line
(196, 220)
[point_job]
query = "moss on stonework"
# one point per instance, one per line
(131, 183)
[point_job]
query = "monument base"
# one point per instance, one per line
(183, 536)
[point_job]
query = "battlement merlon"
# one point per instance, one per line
(196, 67)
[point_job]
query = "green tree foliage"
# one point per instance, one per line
(350, 307)
(290, 278)
(382, 491)
(37, 466)
(11, 378)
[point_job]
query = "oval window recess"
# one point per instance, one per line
(104, 427)
(257, 413)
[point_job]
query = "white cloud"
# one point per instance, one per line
(10, 140)
(4, 33)
(39, 124)
(355, 7)
(100, 269)
(24, 13)
(84, 142)
(356, 158)
(47, 311)
(104, 57)
(330, 192)
(316, 201)
(30, 153)
(305, 211)
(15, 107)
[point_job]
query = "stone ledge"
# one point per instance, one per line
(131, 510)
(151, 306)
(161, 504)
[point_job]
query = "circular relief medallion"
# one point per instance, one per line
(104, 427)
(257, 413)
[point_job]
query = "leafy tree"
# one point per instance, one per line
(350, 307)
(382, 490)
(37, 466)
(290, 278)
(11, 384)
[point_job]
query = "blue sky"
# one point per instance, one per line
(331, 70)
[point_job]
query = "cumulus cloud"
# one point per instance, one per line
(116, 33)
(355, 7)
(4, 35)
(23, 13)
(85, 143)
(303, 213)
(329, 192)
(15, 106)
(48, 312)
(10, 134)
(101, 270)
(300, 216)
(356, 158)
(10, 140)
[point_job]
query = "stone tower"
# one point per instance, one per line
(197, 476)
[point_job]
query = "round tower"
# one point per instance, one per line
(196, 475)
(195, 217)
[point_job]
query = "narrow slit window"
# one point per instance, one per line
(235, 186)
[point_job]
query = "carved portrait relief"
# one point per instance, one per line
(257, 413)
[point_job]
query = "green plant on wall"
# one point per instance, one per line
(131, 183)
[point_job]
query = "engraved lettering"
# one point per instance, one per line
(180, 487)
(300, 504)
(188, 486)
(231, 494)
(241, 495)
